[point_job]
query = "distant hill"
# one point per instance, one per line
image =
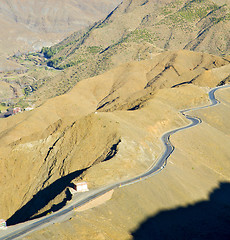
(138, 30)
(28, 25)
(135, 30)
(198, 25)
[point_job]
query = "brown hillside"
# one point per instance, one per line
(42, 151)
(137, 30)
(189, 198)
(29, 25)
(166, 24)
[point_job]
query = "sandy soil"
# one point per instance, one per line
(185, 200)
(96, 202)
(42, 151)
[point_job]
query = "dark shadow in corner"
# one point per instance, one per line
(203, 220)
(113, 151)
(43, 197)
(56, 207)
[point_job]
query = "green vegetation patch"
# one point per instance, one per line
(85, 54)
(140, 35)
(170, 7)
(71, 64)
(193, 11)
(94, 49)
(3, 107)
(54, 62)
(49, 52)
(216, 20)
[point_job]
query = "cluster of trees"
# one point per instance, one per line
(54, 62)
(48, 52)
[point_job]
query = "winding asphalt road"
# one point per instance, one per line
(23, 229)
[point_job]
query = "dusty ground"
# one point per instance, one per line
(96, 202)
(42, 151)
(182, 202)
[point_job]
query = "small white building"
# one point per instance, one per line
(29, 109)
(2, 224)
(81, 187)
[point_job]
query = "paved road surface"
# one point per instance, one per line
(22, 229)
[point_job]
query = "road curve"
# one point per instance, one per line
(27, 227)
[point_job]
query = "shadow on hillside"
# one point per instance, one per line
(203, 220)
(42, 198)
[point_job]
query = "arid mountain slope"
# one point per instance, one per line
(42, 151)
(55, 16)
(29, 25)
(187, 199)
(188, 24)
(137, 30)
(169, 67)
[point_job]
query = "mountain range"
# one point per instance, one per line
(102, 99)
(137, 30)
(54, 139)
(29, 25)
